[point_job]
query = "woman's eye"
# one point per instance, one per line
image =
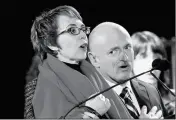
(73, 30)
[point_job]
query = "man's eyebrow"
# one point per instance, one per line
(116, 47)
(128, 44)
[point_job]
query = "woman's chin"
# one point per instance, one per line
(81, 57)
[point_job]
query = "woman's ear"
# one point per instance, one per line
(93, 59)
(54, 48)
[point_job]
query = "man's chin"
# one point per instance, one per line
(124, 77)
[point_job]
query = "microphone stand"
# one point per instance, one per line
(121, 82)
(173, 115)
(162, 83)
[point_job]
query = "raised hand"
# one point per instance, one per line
(153, 114)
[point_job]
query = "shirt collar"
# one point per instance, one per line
(119, 88)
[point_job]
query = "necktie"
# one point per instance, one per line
(125, 95)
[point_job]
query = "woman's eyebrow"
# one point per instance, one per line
(71, 25)
(74, 25)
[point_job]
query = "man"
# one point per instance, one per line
(111, 53)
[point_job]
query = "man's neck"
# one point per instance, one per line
(66, 60)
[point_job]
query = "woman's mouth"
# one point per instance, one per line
(84, 46)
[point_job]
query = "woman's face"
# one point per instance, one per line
(73, 42)
(143, 63)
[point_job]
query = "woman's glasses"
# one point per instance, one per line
(75, 30)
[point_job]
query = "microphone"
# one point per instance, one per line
(159, 64)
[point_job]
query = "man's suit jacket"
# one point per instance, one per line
(148, 95)
(59, 88)
(145, 93)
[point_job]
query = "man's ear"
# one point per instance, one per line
(93, 59)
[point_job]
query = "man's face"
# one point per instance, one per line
(116, 55)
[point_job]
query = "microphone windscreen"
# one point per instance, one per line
(160, 64)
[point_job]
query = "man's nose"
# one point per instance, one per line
(124, 56)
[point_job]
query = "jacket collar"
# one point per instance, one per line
(76, 83)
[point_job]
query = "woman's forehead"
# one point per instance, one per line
(64, 21)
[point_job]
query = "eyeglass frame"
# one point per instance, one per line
(67, 30)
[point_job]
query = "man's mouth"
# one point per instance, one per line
(124, 66)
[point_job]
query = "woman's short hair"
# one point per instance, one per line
(44, 28)
(143, 40)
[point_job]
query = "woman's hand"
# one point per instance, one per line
(99, 103)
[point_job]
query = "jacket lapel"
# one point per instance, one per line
(118, 108)
(141, 94)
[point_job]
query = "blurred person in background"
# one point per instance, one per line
(33, 69)
(148, 47)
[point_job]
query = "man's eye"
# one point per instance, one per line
(113, 51)
(128, 47)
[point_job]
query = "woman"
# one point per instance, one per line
(59, 36)
(148, 47)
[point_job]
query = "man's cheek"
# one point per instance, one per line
(131, 55)
(114, 67)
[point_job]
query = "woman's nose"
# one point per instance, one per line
(83, 36)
